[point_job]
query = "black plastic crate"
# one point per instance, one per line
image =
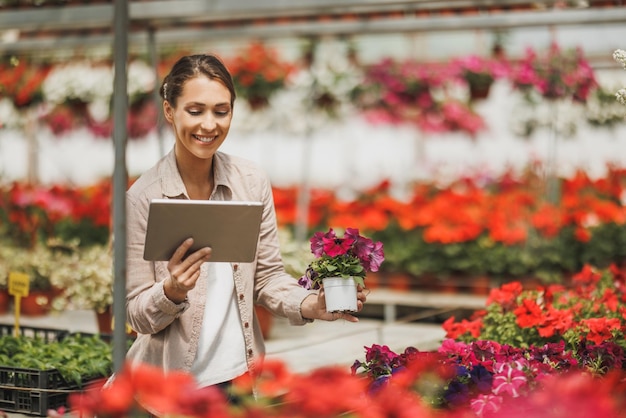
(31, 391)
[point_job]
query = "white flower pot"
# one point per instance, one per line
(340, 294)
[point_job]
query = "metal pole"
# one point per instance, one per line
(304, 196)
(154, 60)
(120, 180)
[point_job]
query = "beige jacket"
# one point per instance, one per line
(167, 332)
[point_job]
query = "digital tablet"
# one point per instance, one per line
(230, 228)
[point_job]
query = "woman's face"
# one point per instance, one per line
(202, 117)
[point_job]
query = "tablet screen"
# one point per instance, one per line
(230, 228)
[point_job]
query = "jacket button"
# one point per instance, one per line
(246, 325)
(249, 353)
(235, 267)
(241, 296)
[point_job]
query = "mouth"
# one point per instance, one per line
(205, 139)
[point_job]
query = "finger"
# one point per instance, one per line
(190, 281)
(192, 273)
(180, 252)
(359, 306)
(186, 280)
(321, 300)
(192, 263)
(203, 254)
(350, 318)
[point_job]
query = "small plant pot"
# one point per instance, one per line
(37, 303)
(340, 294)
(5, 301)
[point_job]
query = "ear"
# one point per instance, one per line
(168, 111)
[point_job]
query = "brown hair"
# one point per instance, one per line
(191, 66)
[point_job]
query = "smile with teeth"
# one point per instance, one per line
(205, 139)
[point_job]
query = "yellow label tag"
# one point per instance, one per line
(19, 284)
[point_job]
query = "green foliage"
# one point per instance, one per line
(83, 230)
(76, 357)
(500, 326)
(541, 257)
(345, 266)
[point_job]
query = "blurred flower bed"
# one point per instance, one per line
(507, 368)
(501, 227)
(59, 236)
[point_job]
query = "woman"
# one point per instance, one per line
(191, 314)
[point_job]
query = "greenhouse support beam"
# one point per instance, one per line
(163, 12)
(120, 181)
(409, 23)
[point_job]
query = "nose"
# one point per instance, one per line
(208, 122)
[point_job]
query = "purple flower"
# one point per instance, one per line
(305, 282)
(376, 257)
(317, 241)
(457, 393)
(481, 378)
(308, 281)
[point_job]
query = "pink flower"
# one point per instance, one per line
(337, 246)
(508, 379)
(484, 404)
(317, 241)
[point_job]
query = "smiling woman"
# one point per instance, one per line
(169, 301)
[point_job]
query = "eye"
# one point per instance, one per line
(194, 112)
(222, 113)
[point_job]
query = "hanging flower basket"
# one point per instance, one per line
(479, 91)
(258, 73)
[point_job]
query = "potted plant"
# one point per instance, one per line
(479, 73)
(258, 73)
(555, 74)
(415, 93)
(86, 276)
(4, 290)
(340, 266)
(38, 263)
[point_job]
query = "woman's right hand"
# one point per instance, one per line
(184, 271)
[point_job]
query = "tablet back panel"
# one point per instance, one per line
(230, 228)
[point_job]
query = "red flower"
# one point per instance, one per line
(599, 329)
(274, 378)
(336, 392)
(455, 330)
(556, 321)
(548, 219)
(506, 295)
(528, 314)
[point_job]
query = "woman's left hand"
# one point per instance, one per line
(314, 307)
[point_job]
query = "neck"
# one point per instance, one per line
(197, 175)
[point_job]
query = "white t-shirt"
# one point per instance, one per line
(221, 352)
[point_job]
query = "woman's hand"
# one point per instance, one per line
(314, 307)
(184, 271)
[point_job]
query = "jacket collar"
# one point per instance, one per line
(172, 183)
